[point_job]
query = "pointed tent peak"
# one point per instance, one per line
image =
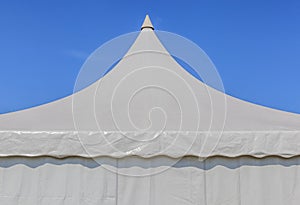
(147, 23)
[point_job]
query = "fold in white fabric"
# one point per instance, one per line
(172, 144)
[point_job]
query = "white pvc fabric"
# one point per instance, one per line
(61, 144)
(190, 181)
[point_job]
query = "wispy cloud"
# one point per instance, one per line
(82, 55)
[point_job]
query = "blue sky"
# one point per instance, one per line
(255, 45)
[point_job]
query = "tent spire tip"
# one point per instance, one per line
(147, 23)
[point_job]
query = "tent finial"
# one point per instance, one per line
(147, 23)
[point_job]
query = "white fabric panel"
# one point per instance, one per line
(74, 181)
(201, 144)
(215, 181)
(181, 184)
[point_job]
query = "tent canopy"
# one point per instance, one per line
(148, 105)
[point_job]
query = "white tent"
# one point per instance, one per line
(235, 153)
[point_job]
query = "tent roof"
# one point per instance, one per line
(146, 78)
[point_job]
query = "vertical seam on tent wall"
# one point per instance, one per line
(193, 183)
(295, 181)
(280, 184)
(19, 198)
(204, 181)
(117, 181)
(239, 182)
(39, 195)
(151, 185)
(2, 172)
(82, 178)
(191, 193)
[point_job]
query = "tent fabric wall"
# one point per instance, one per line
(214, 181)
